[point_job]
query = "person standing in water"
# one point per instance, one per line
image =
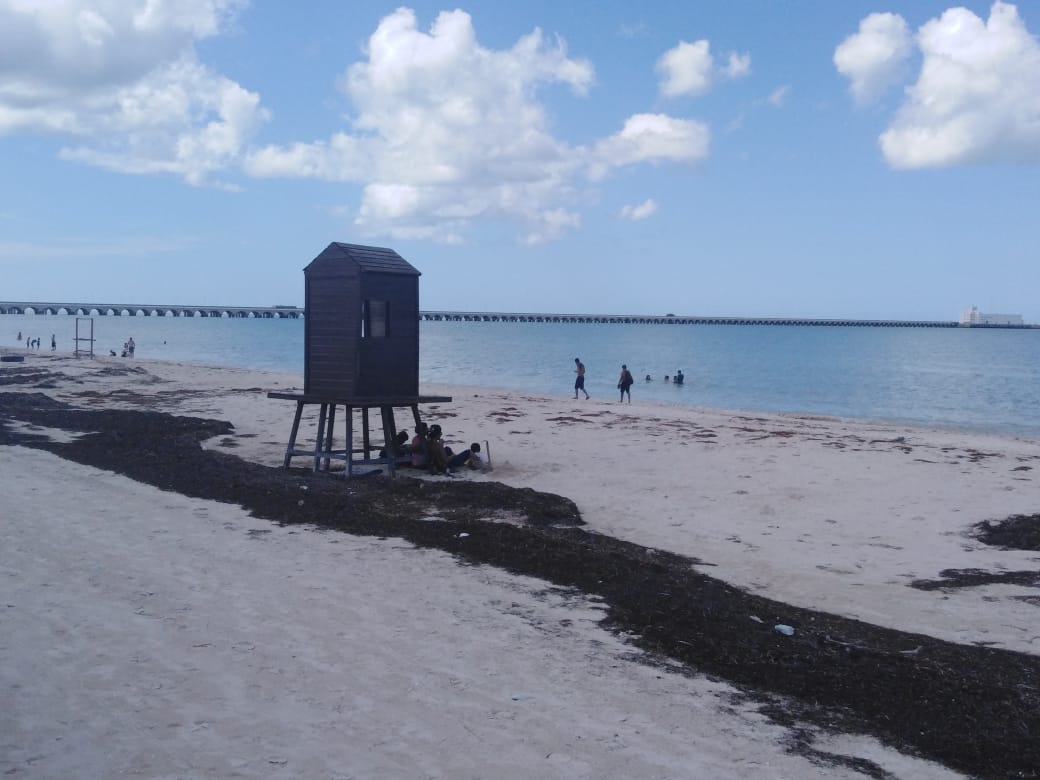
(625, 383)
(579, 380)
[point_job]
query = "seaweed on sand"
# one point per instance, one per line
(974, 709)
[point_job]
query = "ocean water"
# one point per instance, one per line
(971, 379)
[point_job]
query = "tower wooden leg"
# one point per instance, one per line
(329, 429)
(350, 440)
(320, 437)
(390, 437)
(366, 445)
(292, 434)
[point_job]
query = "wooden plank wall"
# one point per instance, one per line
(331, 334)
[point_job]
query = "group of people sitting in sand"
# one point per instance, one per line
(428, 451)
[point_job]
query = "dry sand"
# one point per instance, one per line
(146, 634)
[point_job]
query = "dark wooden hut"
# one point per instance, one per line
(361, 333)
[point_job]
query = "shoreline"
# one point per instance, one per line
(294, 379)
(839, 516)
(811, 373)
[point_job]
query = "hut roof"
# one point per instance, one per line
(367, 258)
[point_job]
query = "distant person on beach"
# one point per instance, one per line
(54, 344)
(401, 442)
(400, 446)
(130, 346)
(667, 378)
(419, 450)
(679, 377)
(19, 337)
(436, 456)
(624, 384)
(649, 378)
(471, 458)
(579, 380)
(477, 459)
(458, 459)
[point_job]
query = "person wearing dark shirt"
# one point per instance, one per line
(624, 384)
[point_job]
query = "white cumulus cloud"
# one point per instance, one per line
(653, 138)
(442, 131)
(445, 132)
(640, 211)
(977, 97)
(875, 57)
(121, 80)
(690, 69)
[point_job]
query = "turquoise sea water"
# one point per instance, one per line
(973, 379)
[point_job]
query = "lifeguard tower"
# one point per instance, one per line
(361, 350)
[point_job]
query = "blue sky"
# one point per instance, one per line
(739, 157)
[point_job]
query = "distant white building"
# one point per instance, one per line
(973, 316)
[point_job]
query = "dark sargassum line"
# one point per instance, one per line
(974, 709)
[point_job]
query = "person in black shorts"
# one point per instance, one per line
(579, 380)
(625, 382)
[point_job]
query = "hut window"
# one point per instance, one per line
(374, 319)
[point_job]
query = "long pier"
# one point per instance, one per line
(672, 319)
(80, 309)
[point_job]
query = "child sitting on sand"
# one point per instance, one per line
(477, 459)
(472, 458)
(400, 447)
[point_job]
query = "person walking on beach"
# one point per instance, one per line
(130, 346)
(579, 380)
(54, 344)
(625, 384)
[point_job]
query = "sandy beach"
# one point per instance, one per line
(148, 633)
